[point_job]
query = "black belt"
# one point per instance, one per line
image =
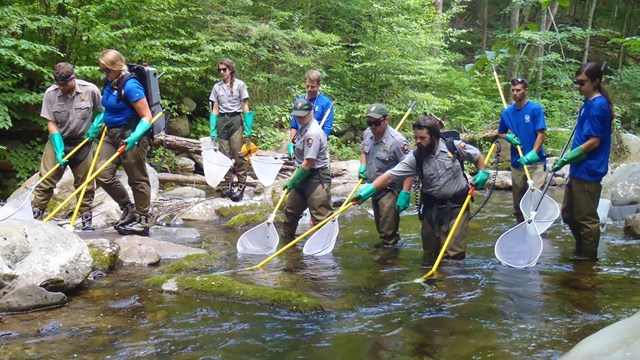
(231, 114)
(319, 170)
(457, 198)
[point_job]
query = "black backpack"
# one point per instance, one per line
(148, 77)
(448, 136)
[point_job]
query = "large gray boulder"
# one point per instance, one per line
(35, 254)
(617, 341)
(623, 186)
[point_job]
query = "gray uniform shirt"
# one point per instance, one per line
(72, 113)
(442, 173)
(311, 144)
(382, 155)
(229, 100)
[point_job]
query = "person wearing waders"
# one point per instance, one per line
(310, 184)
(127, 117)
(525, 119)
(68, 106)
(589, 159)
(229, 121)
(444, 187)
(383, 148)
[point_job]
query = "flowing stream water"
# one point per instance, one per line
(471, 309)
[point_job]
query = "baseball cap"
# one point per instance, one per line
(301, 107)
(377, 111)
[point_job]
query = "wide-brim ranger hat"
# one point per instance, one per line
(301, 107)
(377, 111)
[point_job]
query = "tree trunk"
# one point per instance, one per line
(513, 25)
(552, 10)
(483, 15)
(177, 144)
(540, 53)
(592, 11)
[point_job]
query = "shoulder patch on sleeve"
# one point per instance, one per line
(462, 145)
(405, 148)
(309, 142)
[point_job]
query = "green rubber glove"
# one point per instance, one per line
(141, 129)
(404, 200)
(213, 126)
(365, 193)
(362, 172)
(58, 147)
(480, 180)
(249, 117)
(290, 151)
(574, 156)
(297, 177)
(95, 127)
(529, 158)
(513, 139)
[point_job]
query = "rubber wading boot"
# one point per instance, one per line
(140, 226)
(239, 193)
(87, 221)
(228, 191)
(38, 214)
(128, 215)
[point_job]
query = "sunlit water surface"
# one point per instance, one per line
(470, 309)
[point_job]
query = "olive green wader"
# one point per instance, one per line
(314, 193)
(580, 212)
(438, 219)
(386, 216)
(134, 163)
(230, 141)
(520, 186)
(79, 164)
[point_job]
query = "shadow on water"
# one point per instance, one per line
(471, 309)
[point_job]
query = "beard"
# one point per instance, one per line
(426, 150)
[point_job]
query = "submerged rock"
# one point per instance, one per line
(222, 287)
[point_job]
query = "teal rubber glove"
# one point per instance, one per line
(249, 117)
(513, 139)
(95, 127)
(298, 176)
(362, 172)
(574, 156)
(213, 126)
(404, 200)
(365, 193)
(480, 180)
(290, 151)
(141, 129)
(529, 158)
(58, 147)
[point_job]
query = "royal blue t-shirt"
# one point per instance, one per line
(117, 113)
(524, 123)
(320, 106)
(594, 120)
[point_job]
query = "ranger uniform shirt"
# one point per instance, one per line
(229, 99)
(312, 144)
(443, 176)
(383, 154)
(72, 113)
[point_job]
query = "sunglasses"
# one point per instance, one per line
(374, 123)
(63, 83)
(419, 127)
(222, 70)
(105, 70)
(580, 82)
(519, 80)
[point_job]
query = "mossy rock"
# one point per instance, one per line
(191, 263)
(221, 287)
(230, 211)
(105, 258)
(248, 219)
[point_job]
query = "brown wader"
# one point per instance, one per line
(520, 186)
(580, 212)
(230, 140)
(79, 163)
(314, 193)
(386, 216)
(438, 219)
(134, 163)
